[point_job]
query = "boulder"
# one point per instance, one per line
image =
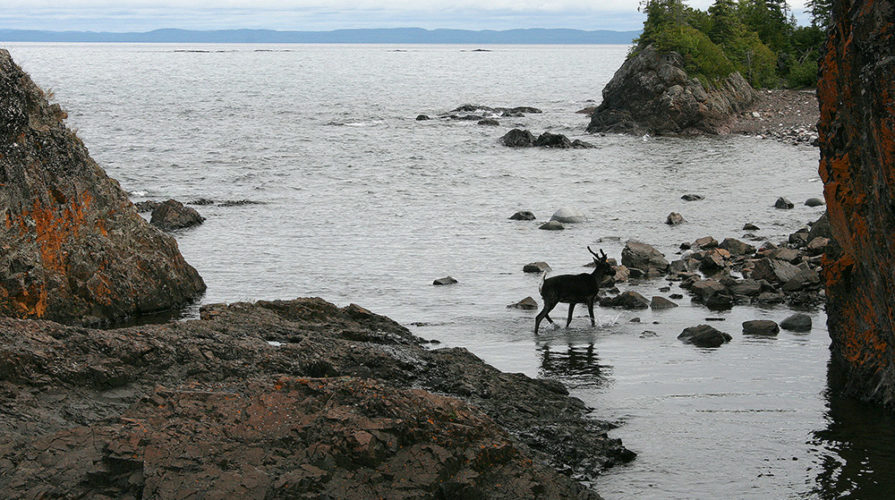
(750, 227)
(146, 206)
(774, 270)
(746, 287)
(674, 219)
(526, 304)
(550, 140)
(536, 267)
(421, 118)
(568, 216)
(490, 122)
(518, 138)
(797, 323)
(790, 255)
(579, 144)
(552, 226)
(447, 280)
(783, 203)
(627, 300)
(692, 197)
(818, 245)
(805, 278)
(523, 215)
(714, 260)
(653, 94)
(171, 215)
(704, 336)
(644, 257)
(799, 238)
(705, 242)
(814, 202)
(737, 247)
(821, 228)
(659, 303)
(73, 248)
(760, 327)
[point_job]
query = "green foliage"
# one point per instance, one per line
(803, 74)
(753, 59)
(821, 13)
(703, 59)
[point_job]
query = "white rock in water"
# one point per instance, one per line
(568, 215)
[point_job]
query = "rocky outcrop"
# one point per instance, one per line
(652, 94)
(857, 144)
(72, 246)
(283, 399)
(172, 215)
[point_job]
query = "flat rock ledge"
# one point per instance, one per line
(282, 399)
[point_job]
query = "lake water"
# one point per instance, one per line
(359, 202)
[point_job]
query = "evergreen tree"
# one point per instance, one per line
(821, 13)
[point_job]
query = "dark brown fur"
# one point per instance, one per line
(573, 289)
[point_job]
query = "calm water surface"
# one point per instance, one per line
(359, 202)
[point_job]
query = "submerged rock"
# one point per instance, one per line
(536, 267)
(797, 323)
(659, 303)
(74, 248)
(552, 226)
(568, 215)
(692, 197)
(704, 336)
(447, 280)
(627, 300)
(674, 219)
(518, 138)
(523, 215)
(760, 327)
(783, 203)
(814, 202)
(172, 214)
(526, 304)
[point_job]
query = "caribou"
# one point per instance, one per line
(573, 289)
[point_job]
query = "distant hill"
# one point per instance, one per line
(394, 35)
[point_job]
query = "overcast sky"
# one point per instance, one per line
(314, 15)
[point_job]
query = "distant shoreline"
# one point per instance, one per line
(533, 36)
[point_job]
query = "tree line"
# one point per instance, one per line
(758, 38)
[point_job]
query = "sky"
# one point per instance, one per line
(323, 15)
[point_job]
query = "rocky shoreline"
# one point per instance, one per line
(281, 399)
(784, 114)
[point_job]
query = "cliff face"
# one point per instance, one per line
(857, 144)
(651, 93)
(72, 247)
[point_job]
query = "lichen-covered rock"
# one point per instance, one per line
(857, 145)
(651, 93)
(72, 246)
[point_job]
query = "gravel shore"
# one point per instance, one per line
(783, 114)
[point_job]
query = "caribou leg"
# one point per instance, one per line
(571, 308)
(545, 313)
(590, 310)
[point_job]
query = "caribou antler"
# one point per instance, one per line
(600, 257)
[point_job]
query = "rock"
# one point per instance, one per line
(588, 110)
(641, 256)
(200, 202)
(536, 267)
(146, 206)
(760, 327)
(770, 298)
(652, 94)
(648, 334)
(797, 323)
(719, 301)
(737, 247)
(239, 203)
(803, 279)
(73, 248)
(704, 336)
(622, 273)
(420, 118)
(714, 260)
(705, 242)
(172, 214)
(774, 270)
(550, 140)
(447, 280)
(517, 138)
(659, 303)
(282, 399)
(527, 304)
(821, 228)
(750, 227)
(676, 296)
(674, 219)
(814, 202)
(627, 300)
(746, 287)
(551, 226)
(579, 144)
(523, 215)
(568, 216)
(799, 238)
(790, 255)
(818, 245)
(692, 197)
(490, 122)
(783, 203)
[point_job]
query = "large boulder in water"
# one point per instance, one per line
(857, 153)
(73, 248)
(652, 93)
(172, 214)
(568, 215)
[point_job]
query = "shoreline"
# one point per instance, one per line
(787, 115)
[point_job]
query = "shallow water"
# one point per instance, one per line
(359, 202)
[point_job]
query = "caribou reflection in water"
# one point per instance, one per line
(577, 366)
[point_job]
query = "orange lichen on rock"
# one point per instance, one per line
(857, 141)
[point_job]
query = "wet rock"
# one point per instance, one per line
(705, 242)
(171, 215)
(770, 298)
(200, 202)
(552, 226)
(420, 118)
(818, 245)
(627, 300)
(746, 287)
(73, 248)
(737, 247)
(821, 228)
(490, 122)
(790, 255)
(644, 257)
(676, 296)
(797, 323)
(526, 304)
(622, 273)
(146, 206)
(783, 203)
(692, 197)
(517, 138)
(674, 219)
(653, 94)
(523, 215)
(704, 336)
(814, 202)
(588, 110)
(659, 303)
(799, 238)
(447, 280)
(579, 144)
(774, 270)
(551, 140)
(568, 216)
(760, 327)
(750, 227)
(803, 279)
(536, 267)
(714, 260)
(648, 334)
(720, 301)
(239, 203)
